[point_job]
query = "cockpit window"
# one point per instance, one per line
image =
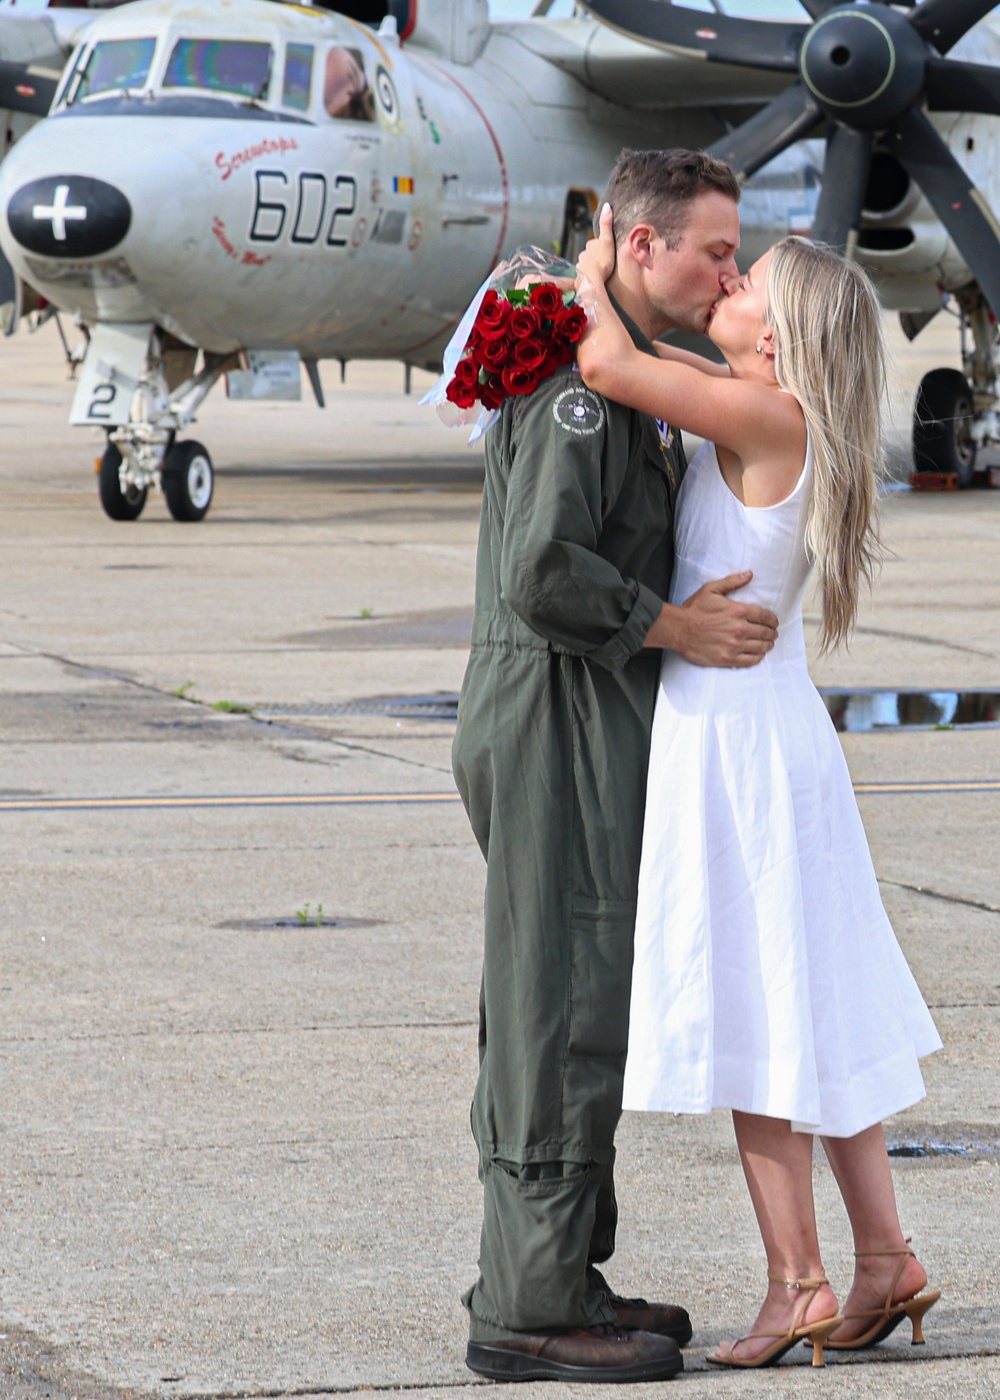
(346, 93)
(298, 76)
(221, 65)
(112, 66)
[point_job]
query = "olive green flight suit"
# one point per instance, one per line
(550, 756)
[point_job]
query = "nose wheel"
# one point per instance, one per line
(188, 480)
(121, 500)
(186, 476)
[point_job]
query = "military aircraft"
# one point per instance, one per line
(217, 181)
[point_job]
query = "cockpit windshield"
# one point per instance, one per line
(220, 65)
(112, 66)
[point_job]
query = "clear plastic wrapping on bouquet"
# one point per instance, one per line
(550, 344)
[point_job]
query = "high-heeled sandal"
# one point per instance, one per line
(891, 1314)
(815, 1332)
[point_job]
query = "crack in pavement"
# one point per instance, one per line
(148, 688)
(947, 898)
(894, 636)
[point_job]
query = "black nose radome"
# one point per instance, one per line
(68, 216)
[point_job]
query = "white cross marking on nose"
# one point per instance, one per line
(59, 211)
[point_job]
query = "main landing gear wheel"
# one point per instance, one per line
(188, 481)
(942, 426)
(119, 504)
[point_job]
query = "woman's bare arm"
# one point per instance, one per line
(679, 387)
(689, 357)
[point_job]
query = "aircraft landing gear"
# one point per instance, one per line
(188, 480)
(943, 439)
(145, 452)
(121, 500)
(956, 426)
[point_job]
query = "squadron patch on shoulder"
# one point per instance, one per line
(579, 411)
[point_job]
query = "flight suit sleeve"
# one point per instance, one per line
(564, 476)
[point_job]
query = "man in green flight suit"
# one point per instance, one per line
(550, 756)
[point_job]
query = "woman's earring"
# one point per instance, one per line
(760, 348)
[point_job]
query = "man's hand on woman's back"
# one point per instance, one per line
(712, 629)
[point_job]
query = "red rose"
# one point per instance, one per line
(467, 372)
(570, 324)
(546, 298)
(558, 355)
(493, 313)
(491, 394)
(520, 381)
(495, 353)
(461, 395)
(530, 353)
(524, 321)
(488, 333)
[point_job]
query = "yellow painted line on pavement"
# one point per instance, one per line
(945, 785)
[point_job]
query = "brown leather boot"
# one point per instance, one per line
(665, 1319)
(603, 1353)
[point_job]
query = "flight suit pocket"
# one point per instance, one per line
(601, 976)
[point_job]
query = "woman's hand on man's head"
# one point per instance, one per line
(597, 261)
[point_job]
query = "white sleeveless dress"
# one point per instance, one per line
(767, 977)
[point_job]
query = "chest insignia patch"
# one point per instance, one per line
(666, 433)
(579, 411)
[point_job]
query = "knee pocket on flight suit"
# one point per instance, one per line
(600, 977)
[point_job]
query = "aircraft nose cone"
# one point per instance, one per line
(68, 216)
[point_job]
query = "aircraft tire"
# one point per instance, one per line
(188, 480)
(118, 504)
(942, 422)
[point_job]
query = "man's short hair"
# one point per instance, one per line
(658, 187)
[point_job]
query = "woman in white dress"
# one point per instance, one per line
(767, 978)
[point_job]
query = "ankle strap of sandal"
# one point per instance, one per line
(805, 1283)
(872, 1253)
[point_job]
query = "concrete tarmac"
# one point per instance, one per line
(241, 926)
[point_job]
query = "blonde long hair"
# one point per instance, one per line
(829, 352)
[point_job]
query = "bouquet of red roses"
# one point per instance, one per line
(520, 328)
(517, 339)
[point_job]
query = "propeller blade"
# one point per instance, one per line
(842, 196)
(788, 118)
(943, 22)
(951, 86)
(748, 42)
(958, 204)
(24, 88)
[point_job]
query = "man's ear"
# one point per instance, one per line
(639, 244)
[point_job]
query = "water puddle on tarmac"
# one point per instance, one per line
(979, 1149)
(861, 711)
(852, 711)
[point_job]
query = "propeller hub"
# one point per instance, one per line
(863, 68)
